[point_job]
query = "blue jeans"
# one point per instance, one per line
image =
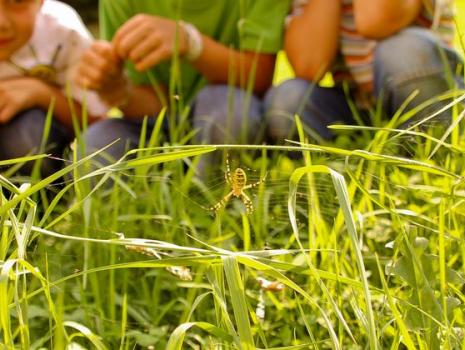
(408, 61)
(23, 135)
(221, 114)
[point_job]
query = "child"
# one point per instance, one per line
(40, 43)
(217, 42)
(382, 49)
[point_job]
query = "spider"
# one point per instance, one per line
(238, 182)
(44, 71)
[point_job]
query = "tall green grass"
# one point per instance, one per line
(366, 243)
(382, 269)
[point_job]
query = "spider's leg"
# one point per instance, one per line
(255, 184)
(18, 67)
(227, 174)
(55, 54)
(248, 203)
(221, 203)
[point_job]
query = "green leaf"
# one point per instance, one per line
(239, 304)
(176, 339)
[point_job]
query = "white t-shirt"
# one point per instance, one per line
(58, 41)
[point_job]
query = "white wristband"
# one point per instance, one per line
(194, 41)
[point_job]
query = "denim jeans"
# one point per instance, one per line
(23, 135)
(222, 114)
(408, 61)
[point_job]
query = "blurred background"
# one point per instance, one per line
(88, 9)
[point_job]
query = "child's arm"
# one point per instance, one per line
(217, 63)
(222, 65)
(312, 38)
(23, 93)
(102, 71)
(378, 19)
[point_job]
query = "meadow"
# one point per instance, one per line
(352, 244)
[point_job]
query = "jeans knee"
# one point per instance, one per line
(413, 59)
(287, 96)
(411, 44)
(224, 114)
(114, 132)
(412, 53)
(281, 104)
(23, 134)
(209, 93)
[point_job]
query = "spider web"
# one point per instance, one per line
(197, 195)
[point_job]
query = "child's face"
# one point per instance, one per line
(17, 20)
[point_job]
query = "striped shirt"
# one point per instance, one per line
(356, 53)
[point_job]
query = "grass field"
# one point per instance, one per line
(354, 244)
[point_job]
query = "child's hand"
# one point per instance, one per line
(101, 70)
(17, 95)
(148, 40)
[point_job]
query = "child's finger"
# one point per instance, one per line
(82, 81)
(153, 58)
(145, 47)
(100, 59)
(6, 113)
(88, 80)
(103, 51)
(129, 26)
(130, 40)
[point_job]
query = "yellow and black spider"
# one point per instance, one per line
(46, 72)
(237, 180)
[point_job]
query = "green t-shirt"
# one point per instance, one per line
(249, 25)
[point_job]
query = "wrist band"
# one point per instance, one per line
(194, 41)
